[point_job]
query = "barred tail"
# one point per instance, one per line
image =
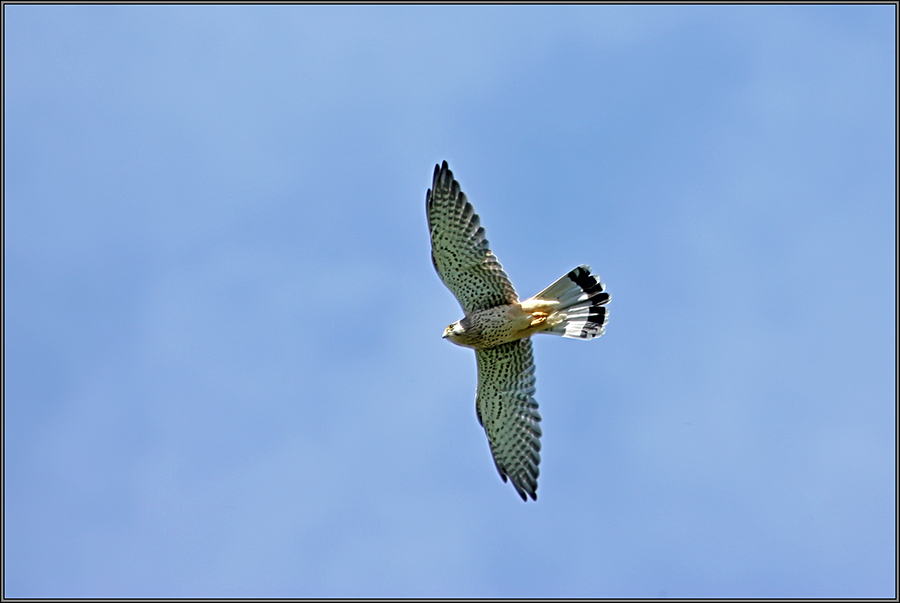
(581, 313)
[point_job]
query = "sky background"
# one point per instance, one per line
(224, 372)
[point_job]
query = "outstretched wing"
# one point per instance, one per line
(509, 413)
(459, 249)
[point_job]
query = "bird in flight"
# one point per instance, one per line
(499, 327)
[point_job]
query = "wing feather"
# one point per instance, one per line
(459, 248)
(508, 412)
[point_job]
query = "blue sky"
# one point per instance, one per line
(224, 372)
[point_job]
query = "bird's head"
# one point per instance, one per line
(455, 332)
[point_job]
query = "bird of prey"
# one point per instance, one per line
(499, 327)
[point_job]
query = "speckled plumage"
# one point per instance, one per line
(507, 410)
(459, 249)
(498, 326)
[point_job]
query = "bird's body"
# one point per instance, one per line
(492, 326)
(498, 326)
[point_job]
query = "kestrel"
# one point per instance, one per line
(499, 327)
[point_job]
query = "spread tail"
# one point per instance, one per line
(581, 311)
